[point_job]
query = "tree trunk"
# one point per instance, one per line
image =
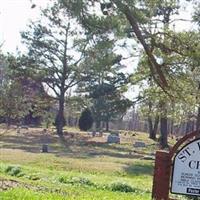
(198, 116)
(60, 119)
(153, 127)
(8, 121)
(172, 128)
(193, 126)
(98, 124)
(189, 126)
(198, 120)
(163, 126)
(163, 131)
(151, 134)
(107, 125)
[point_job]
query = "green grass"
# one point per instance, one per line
(72, 194)
(85, 169)
(24, 194)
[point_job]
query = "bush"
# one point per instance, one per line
(14, 171)
(81, 181)
(121, 187)
(85, 120)
(76, 181)
(63, 179)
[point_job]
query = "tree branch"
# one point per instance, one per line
(154, 66)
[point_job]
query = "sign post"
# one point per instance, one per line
(161, 176)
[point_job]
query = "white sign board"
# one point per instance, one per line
(186, 170)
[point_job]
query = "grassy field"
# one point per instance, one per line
(82, 168)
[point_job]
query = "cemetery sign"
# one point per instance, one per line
(186, 170)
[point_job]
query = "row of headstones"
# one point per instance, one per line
(45, 148)
(115, 138)
(112, 138)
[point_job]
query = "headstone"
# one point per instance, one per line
(18, 130)
(100, 133)
(45, 148)
(139, 144)
(24, 127)
(113, 139)
(93, 133)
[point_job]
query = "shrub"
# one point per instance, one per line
(81, 181)
(85, 120)
(121, 187)
(14, 171)
(63, 179)
(76, 181)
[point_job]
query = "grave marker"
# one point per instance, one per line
(139, 144)
(113, 139)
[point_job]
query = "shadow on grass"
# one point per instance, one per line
(139, 169)
(114, 147)
(32, 142)
(77, 148)
(113, 150)
(71, 145)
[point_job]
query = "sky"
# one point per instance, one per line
(14, 16)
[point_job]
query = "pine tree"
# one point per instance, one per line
(86, 120)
